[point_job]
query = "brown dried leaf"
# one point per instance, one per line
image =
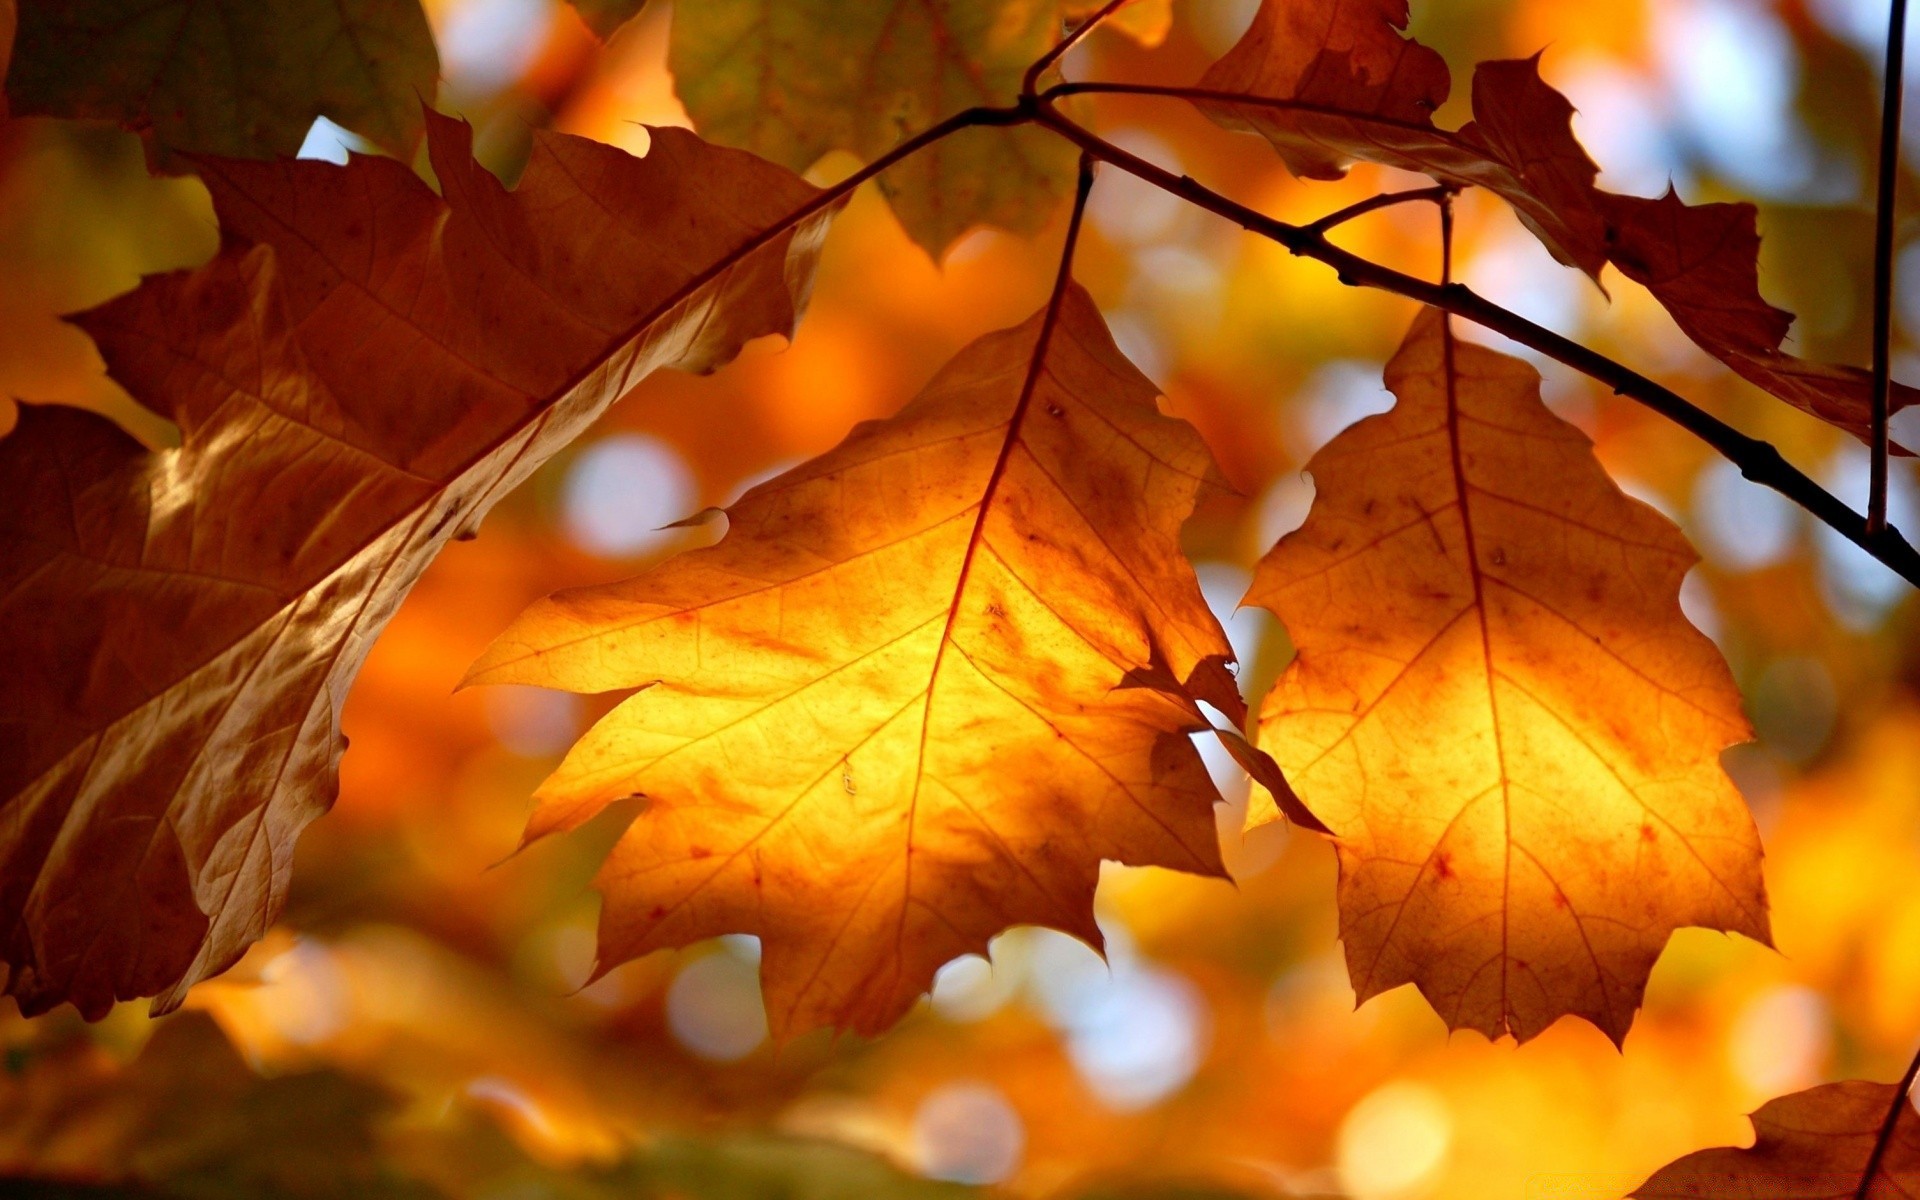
(1333, 81)
(1812, 1145)
(358, 376)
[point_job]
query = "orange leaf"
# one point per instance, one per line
(357, 376)
(909, 700)
(1499, 708)
(1812, 1145)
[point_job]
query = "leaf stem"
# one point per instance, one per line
(1883, 261)
(1030, 82)
(1758, 460)
(1439, 193)
(1902, 1100)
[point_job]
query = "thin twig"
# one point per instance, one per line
(1759, 461)
(1031, 80)
(1902, 1100)
(1883, 261)
(1436, 193)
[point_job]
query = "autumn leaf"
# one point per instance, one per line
(362, 371)
(229, 77)
(792, 81)
(1333, 81)
(900, 707)
(1499, 708)
(1819, 1144)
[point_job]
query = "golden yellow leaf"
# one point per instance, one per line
(924, 685)
(1499, 708)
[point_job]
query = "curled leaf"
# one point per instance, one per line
(357, 376)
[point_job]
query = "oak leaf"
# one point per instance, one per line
(1333, 81)
(1499, 708)
(229, 77)
(357, 376)
(794, 80)
(1813, 1145)
(908, 701)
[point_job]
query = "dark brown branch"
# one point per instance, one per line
(1757, 460)
(1031, 80)
(1883, 261)
(1902, 1092)
(1437, 193)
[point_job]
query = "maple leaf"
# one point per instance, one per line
(1853, 1139)
(905, 703)
(1332, 81)
(792, 81)
(357, 376)
(229, 77)
(1499, 708)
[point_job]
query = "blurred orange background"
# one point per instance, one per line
(1219, 1043)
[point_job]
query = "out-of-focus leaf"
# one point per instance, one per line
(358, 376)
(230, 77)
(1329, 81)
(884, 719)
(1499, 708)
(791, 81)
(1812, 1145)
(188, 1118)
(605, 17)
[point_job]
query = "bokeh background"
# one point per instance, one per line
(431, 977)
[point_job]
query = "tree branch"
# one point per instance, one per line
(1438, 193)
(1883, 261)
(1031, 80)
(1757, 460)
(1901, 1102)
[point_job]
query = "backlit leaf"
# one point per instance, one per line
(361, 372)
(1812, 1145)
(231, 77)
(792, 81)
(905, 703)
(1499, 708)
